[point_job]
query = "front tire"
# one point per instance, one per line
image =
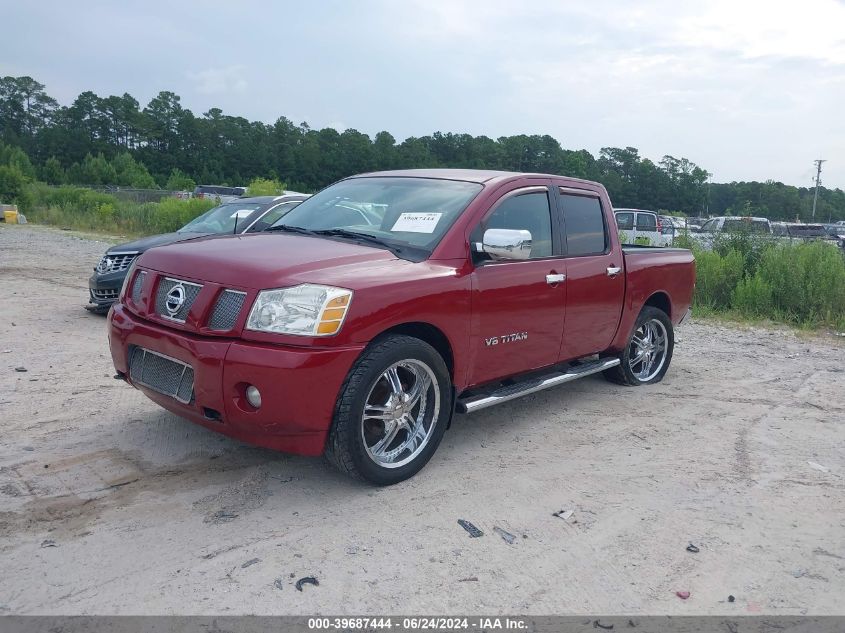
(648, 352)
(392, 411)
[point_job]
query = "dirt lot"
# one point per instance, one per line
(110, 505)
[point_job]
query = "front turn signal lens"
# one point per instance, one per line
(339, 302)
(328, 327)
(333, 314)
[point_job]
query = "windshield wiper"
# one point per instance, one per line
(361, 237)
(290, 229)
(364, 237)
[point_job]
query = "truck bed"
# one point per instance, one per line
(657, 269)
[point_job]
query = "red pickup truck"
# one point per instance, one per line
(360, 323)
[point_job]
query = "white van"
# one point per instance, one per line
(638, 224)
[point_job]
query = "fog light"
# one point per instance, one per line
(253, 396)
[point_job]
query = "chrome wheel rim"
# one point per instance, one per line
(400, 412)
(647, 352)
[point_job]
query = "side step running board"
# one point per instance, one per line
(519, 389)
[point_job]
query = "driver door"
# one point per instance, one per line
(518, 305)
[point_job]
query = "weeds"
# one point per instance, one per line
(801, 284)
(84, 209)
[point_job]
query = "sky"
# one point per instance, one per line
(747, 89)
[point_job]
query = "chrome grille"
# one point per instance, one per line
(226, 310)
(160, 373)
(105, 295)
(115, 263)
(137, 286)
(167, 284)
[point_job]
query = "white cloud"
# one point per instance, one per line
(757, 28)
(749, 89)
(214, 81)
(745, 88)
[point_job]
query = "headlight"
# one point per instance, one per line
(129, 274)
(306, 310)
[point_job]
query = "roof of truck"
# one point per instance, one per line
(468, 175)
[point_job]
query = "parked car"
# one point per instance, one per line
(836, 232)
(247, 215)
(792, 231)
(219, 193)
(779, 229)
(638, 224)
(680, 224)
(383, 304)
(731, 224)
(806, 231)
(685, 225)
(749, 224)
(670, 228)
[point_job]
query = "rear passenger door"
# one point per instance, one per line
(647, 227)
(595, 278)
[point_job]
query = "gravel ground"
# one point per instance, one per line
(110, 505)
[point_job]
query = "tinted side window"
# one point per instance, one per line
(646, 222)
(584, 220)
(625, 221)
(528, 211)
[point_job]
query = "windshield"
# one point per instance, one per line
(414, 212)
(221, 219)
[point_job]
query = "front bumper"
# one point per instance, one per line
(103, 289)
(299, 385)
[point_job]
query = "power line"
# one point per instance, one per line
(818, 163)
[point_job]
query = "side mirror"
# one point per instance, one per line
(507, 243)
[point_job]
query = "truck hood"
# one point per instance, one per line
(145, 243)
(271, 260)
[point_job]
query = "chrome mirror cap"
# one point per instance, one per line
(507, 243)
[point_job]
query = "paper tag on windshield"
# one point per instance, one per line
(417, 222)
(240, 213)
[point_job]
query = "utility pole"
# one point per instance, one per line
(818, 164)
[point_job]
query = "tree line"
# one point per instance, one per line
(114, 141)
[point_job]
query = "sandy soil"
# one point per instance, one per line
(110, 505)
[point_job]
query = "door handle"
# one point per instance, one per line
(612, 271)
(555, 279)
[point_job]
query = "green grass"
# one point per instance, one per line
(86, 210)
(749, 278)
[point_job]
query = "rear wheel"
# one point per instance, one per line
(392, 412)
(649, 351)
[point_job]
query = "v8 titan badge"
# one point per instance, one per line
(506, 338)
